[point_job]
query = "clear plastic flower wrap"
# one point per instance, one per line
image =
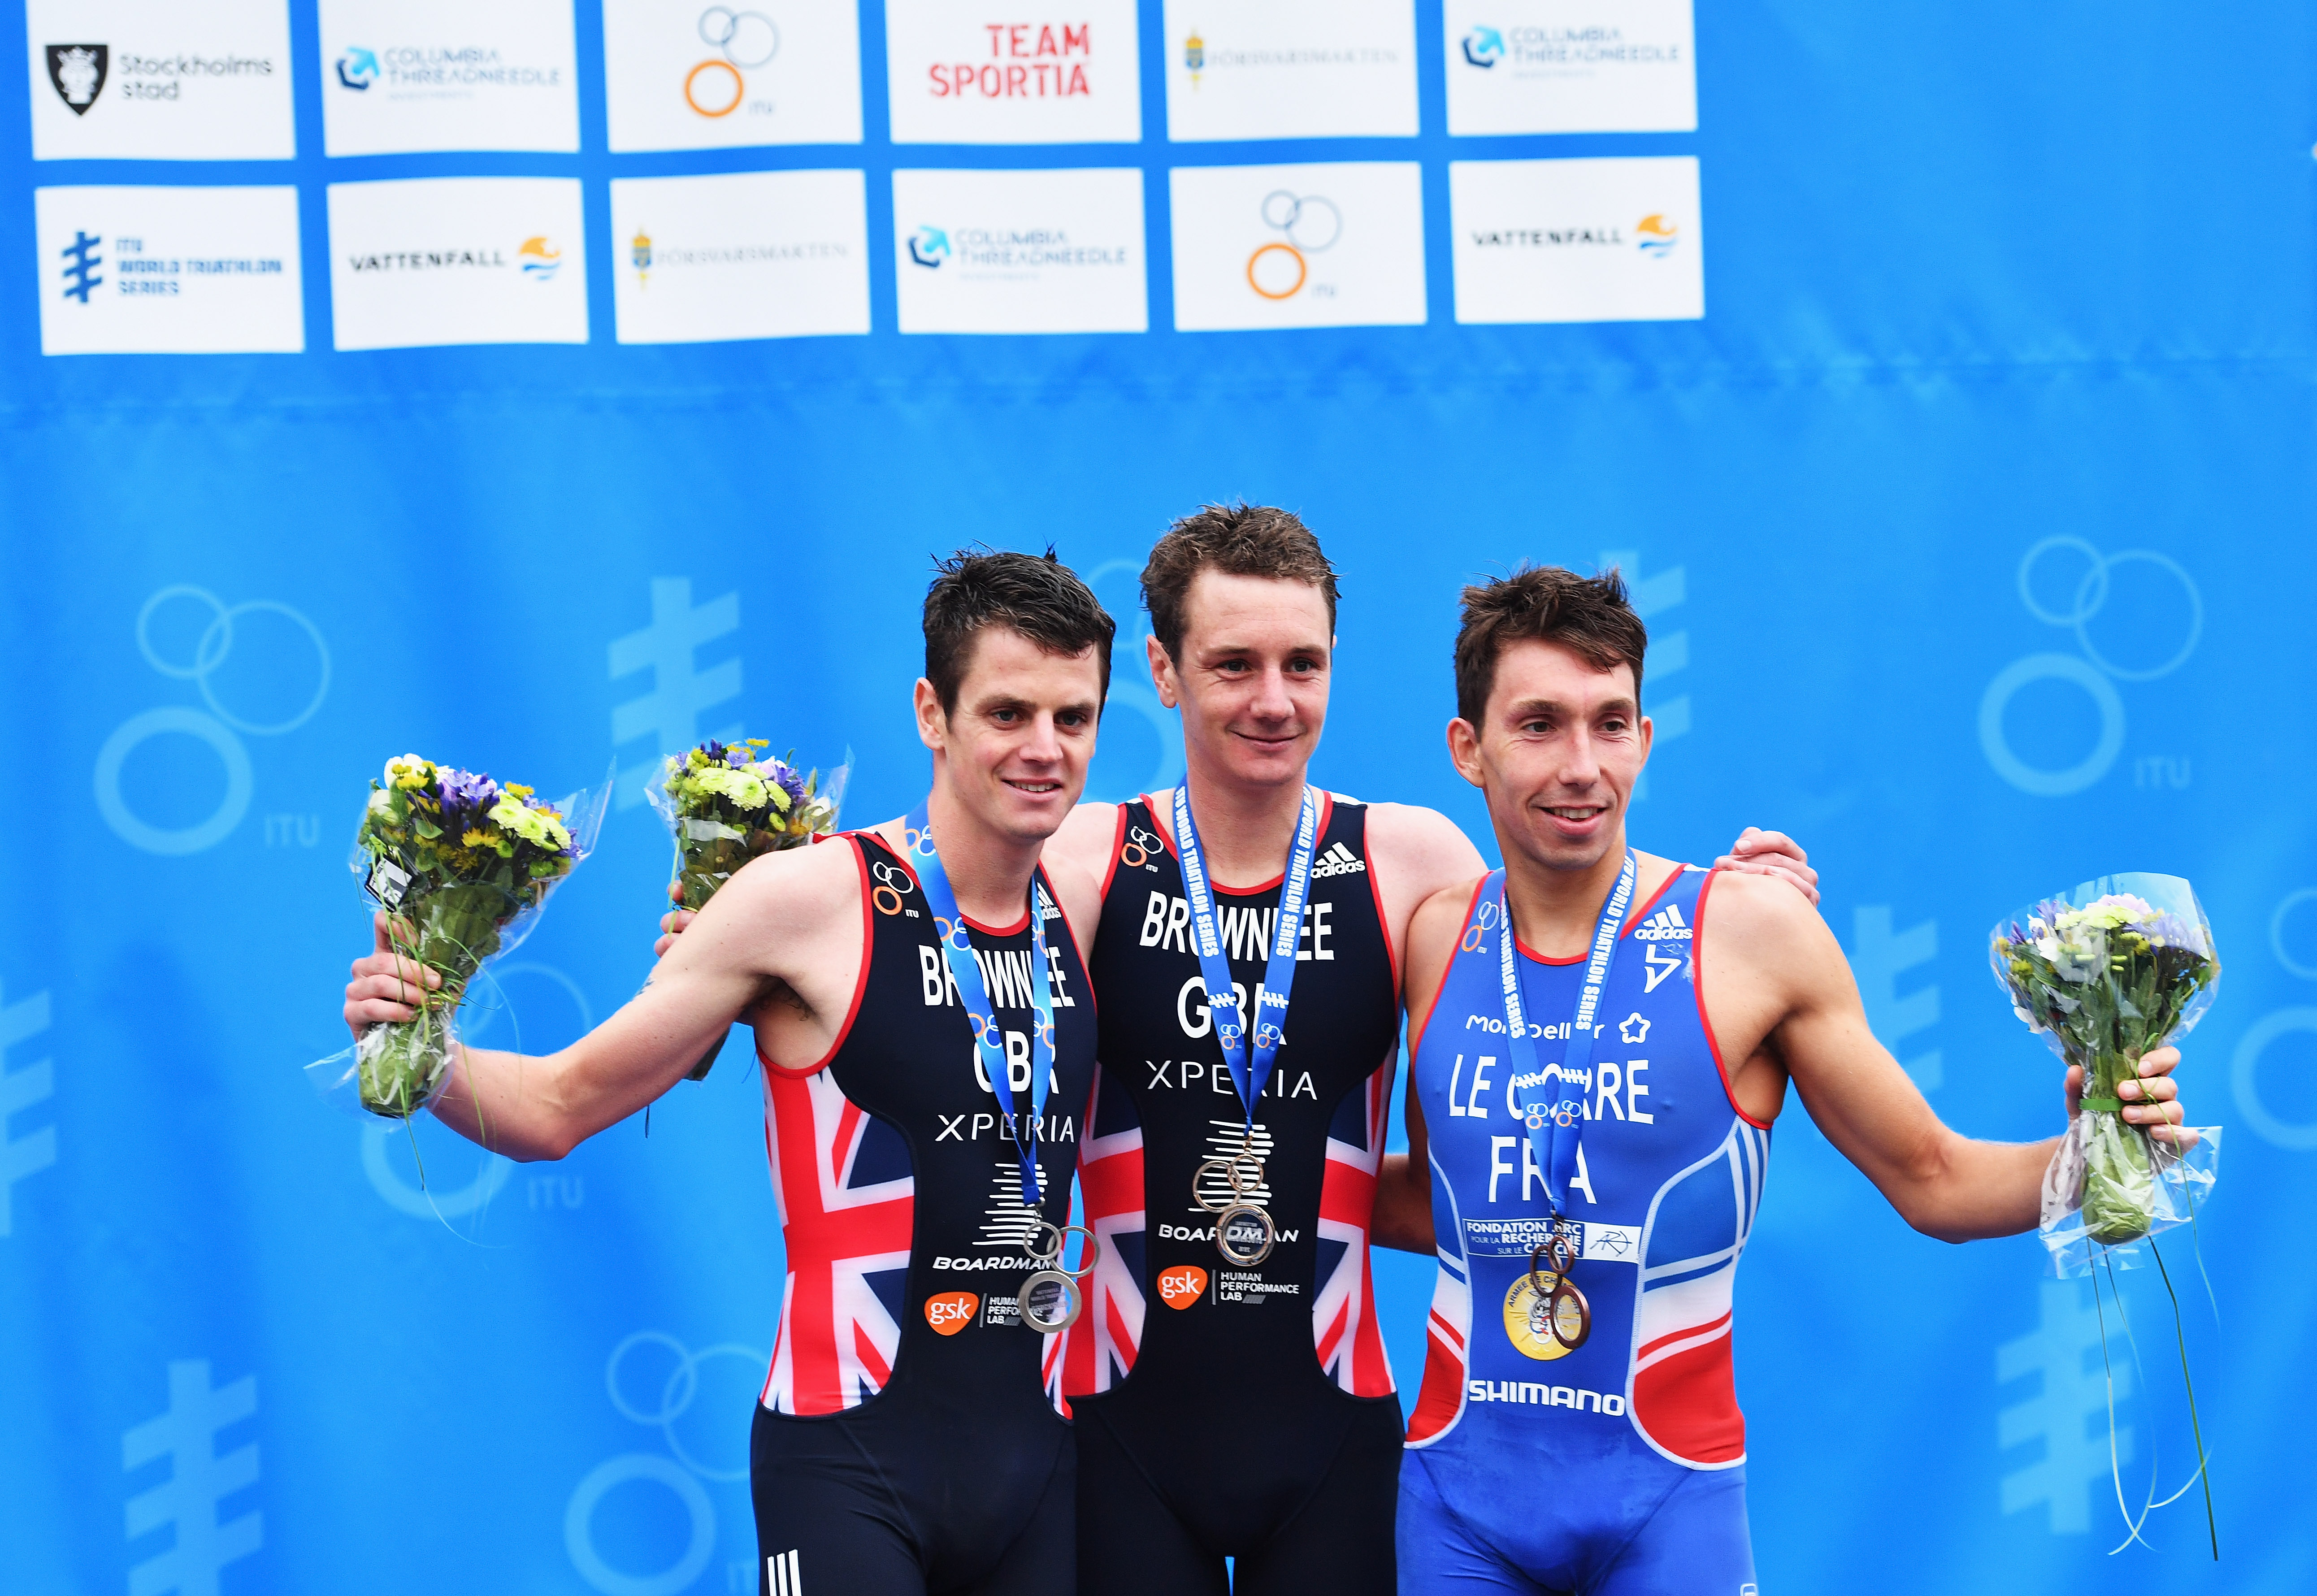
(2105, 973)
(462, 865)
(726, 803)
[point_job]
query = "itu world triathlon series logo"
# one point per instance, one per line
(929, 246)
(78, 71)
(1484, 47)
(81, 261)
(540, 259)
(358, 67)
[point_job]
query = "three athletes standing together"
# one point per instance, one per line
(1588, 1112)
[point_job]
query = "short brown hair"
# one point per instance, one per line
(1590, 616)
(1239, 540)
(1039, 597)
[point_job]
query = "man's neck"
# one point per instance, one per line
(1246, 832)
(988, 869)
(1555, 911)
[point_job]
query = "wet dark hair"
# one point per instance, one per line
(1240, 540)
(1038, 597)
(1590, 616)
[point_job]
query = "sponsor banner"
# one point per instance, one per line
(457, 260)
(746, 255)
(399, 76)
(1291, 69)
(687, 75)
(1520, 1238)
(1020, 252)
(1582, 240)
(1570, 67)
(159, 80)
(960, 74)
(1338, 245)
(168, 271)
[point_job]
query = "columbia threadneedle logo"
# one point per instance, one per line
(1337, 860)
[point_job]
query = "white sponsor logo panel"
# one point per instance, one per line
(159, 80)
(746, 255)
(1020, 252)
(1614, 239)
(457, 260)
(1570, 67)
(687, 74)
(959, 74)
(1291, 69)
(1322, 244)
(403, 76)
(168, 271)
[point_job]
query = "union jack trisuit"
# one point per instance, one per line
(907, 1442)
(1224, 1412)
(1618, 1469)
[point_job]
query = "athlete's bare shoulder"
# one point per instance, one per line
(1083, 841)
(785, 914)
(1763, 953)
(1433, 931)
(1416, 852)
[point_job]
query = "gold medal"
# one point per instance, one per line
(1557, 1311)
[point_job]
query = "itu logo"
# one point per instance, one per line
(77, 72)
(1483, 46)
(358, 69)
(743, 40)
(81, 261)
(1310, 225)
(1658, 236)
(540, 259)
(929, 246)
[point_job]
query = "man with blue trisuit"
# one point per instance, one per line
(1601, 1040)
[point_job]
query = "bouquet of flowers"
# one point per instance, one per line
(2119, 966)
(726, 803)
(462, 865)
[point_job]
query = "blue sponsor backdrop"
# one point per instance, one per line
(1970, 523)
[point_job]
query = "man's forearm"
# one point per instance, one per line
(1969, 1191)
(1403, 1206)
(510, 1103)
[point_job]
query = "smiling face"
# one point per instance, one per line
(1560, 745)
(1013, 753)
(1252, 676)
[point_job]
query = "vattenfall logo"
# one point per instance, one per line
(426, 66)
(1019, 248)
(538, 257)
(79, 72)
(1653, 235)
(1485, 47)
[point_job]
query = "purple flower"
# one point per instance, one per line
(465, 795)
(789, 781)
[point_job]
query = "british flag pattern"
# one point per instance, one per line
(1097, 1352)
(1345, 1330)
(842, 1180)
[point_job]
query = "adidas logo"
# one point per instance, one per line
(1665, 926)
(781, 1574)
(1338, 861)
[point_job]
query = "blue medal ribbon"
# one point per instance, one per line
(1549, 1117)
(1279, 975)
(973, 991)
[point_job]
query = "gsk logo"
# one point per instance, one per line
(951, 1311)
(1182, 1286)
(1658, 235)
(1484, 47)
(540, 260)
(358, 69)
(929, 246)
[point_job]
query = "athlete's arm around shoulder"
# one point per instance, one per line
(1416, 853)
(783, 937)
(1076, 860)
(1404, 1208)
(1779, 996)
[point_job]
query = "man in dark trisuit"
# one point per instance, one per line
(906, 1443)
(1243, 1407)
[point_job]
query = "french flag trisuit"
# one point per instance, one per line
(1616, 1468)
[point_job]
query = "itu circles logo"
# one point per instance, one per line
(216, 726)
(743, 40)
(1309, 225)
(2093, 672)
(540, 260)
(357, 68)
(1483, 46)
(1657, 235)
(929, 246)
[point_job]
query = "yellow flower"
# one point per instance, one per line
(476, 837)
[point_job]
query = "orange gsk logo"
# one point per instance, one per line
(1183, 1284)
(951, 1311)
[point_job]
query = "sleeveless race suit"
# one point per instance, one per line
(906, 1441)
(1618, 1468)
(1224, 1412)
